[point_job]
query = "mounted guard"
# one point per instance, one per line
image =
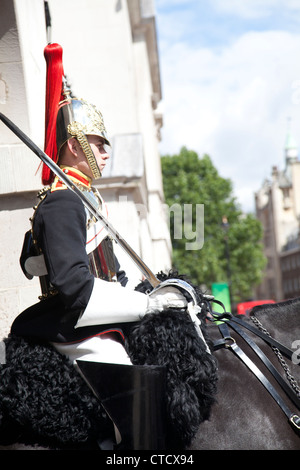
(86, 310)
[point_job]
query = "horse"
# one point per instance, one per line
(44, 402)
(213, 400)
(246, 416)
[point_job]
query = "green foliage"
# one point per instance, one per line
(188, 179)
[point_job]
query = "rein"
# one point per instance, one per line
(225, 322)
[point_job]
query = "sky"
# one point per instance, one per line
(230, 74)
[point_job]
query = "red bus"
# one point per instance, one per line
(244, 308)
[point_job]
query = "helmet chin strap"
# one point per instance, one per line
(75, 130)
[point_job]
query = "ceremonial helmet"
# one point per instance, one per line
(67, 117)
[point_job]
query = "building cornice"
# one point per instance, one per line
(142, 20)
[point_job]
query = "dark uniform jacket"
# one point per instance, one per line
(60, 230)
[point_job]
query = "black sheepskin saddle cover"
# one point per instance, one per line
(43, 399)
(170, 340)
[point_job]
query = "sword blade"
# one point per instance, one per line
(88, 204)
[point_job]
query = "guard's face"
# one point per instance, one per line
(100, 152)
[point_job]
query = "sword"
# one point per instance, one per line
(88, 204)
(180, 284)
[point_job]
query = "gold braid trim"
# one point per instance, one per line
(47, 289)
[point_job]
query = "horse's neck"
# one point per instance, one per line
(281, 320)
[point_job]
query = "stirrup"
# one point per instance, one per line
(134, 399)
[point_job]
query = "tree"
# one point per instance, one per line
(190, 180)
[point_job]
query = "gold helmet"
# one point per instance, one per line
(78, 118)
(67, 117)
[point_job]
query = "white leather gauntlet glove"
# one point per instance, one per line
(112, 303)
(164, 298)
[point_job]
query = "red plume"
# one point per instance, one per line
(54, 94)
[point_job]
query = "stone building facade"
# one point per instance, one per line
(278, 208)
(110, 59)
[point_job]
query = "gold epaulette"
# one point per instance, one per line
(57, 185)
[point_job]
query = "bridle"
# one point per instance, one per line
(226, 321)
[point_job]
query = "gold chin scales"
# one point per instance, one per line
(75, 129)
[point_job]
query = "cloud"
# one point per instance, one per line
(232, 102)
(254, 9)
